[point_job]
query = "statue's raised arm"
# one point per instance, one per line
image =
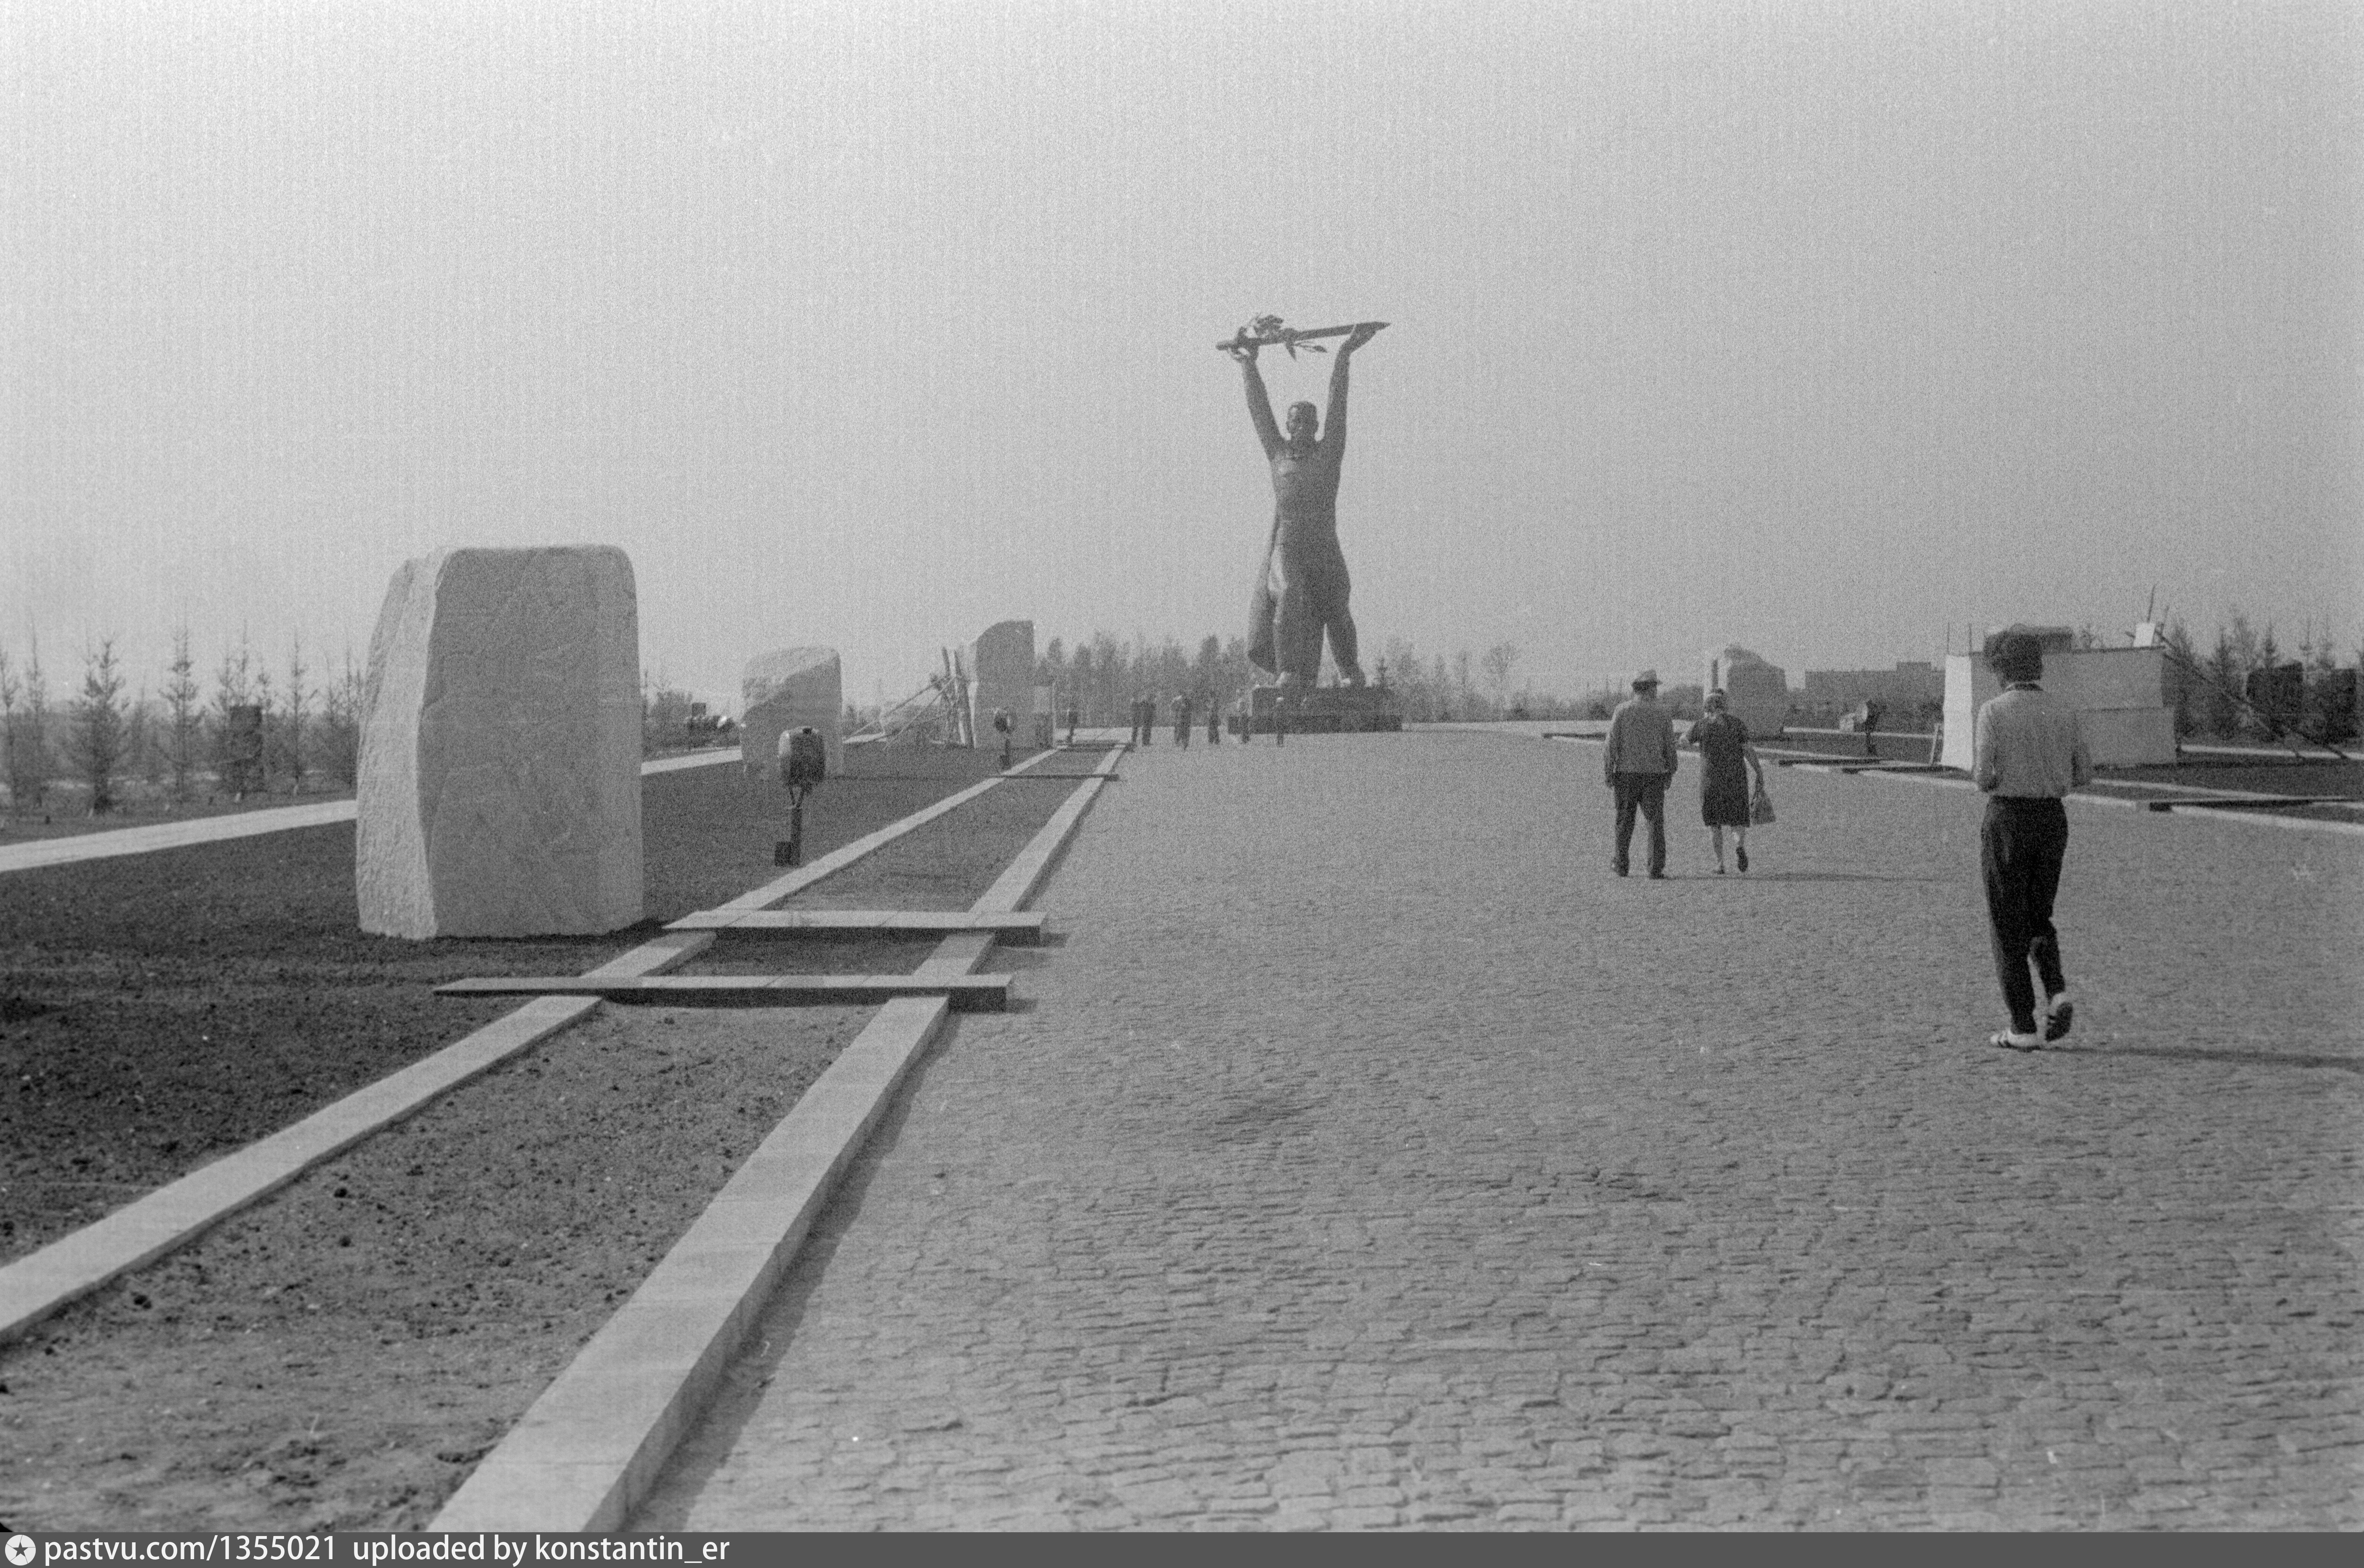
(1259, 400)
(1334, 424)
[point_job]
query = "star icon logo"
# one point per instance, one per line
(21, 1551)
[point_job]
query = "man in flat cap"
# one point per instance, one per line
(2029, 753)
(1639, 764)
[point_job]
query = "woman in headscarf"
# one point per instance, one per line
(1726, 758)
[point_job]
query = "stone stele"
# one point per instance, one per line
(500, 748)
(787, 690)
(1001, 674)
(1755, 691)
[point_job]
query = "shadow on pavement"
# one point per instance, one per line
(2201, 1054)
(1812, 876)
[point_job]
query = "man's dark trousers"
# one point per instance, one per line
(2020, 846)
(1647, 794)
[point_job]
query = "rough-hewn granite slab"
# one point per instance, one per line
(787, 690)
(1001, 666)
(499, 793)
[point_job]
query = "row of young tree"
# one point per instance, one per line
(2209, 688)
(1102, 677)
(94, 746)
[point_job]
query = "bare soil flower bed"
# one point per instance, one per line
(342, 1354)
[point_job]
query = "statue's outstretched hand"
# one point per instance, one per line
(1243, 352)
(1363, 333)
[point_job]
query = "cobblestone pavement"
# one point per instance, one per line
(1369, 1156)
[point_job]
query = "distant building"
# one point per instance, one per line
(1903, 692)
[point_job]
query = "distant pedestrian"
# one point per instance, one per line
(1182, 721)
(1726, 758)
(1074, 716)
(1214, 720)
(1874, 711)
(1144, 716)
(1639, 762)
(2029, 750)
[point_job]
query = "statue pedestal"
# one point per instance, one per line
(1324, 710)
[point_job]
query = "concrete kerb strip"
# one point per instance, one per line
(42, 1283)
(157, 836)
(591, 1447)
(1940, 781)
(39, 1283)
(838, 859)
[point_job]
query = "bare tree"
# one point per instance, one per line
(142, 756)
(234, 689)
(267, 762)
(295, 708)
(28, 745)
(99, 741)
(181, 716)
(9, 689)
(1497, 663)
(340, 720)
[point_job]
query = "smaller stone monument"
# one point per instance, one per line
(2120, 695)
(1001, 675)
(500, 788)
(1757, 692)
(784, 691)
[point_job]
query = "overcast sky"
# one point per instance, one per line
(1819, 328)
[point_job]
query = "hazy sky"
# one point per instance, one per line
(1820, 327)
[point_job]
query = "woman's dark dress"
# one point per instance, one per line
(1724, 772)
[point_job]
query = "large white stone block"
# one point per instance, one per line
(500, 748)
(787, 690)
(1757, 693)
(1001, 674)
(2120, 693)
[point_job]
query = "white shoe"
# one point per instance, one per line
(2009, 1039)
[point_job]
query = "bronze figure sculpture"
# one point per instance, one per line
(1301, 589)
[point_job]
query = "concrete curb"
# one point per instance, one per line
(838, 859)
(2255, 819)
(591, 1447)
(243, 825)
(39, 1285)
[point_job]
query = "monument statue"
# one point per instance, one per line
(1302, 587)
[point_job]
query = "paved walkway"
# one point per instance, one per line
(155, 835)
(1369, 1156)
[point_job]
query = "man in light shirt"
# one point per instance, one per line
(1639, 764)
(2029, 753)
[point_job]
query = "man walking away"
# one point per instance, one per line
(2028, 753)
(1182, 721)
(1639, 764)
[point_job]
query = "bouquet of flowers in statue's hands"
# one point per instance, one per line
(1266, 331)
(1269, 329)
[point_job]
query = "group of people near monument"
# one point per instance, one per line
(1639, 762)
(1186, 709)
(2029, 750)
(2029, 753)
